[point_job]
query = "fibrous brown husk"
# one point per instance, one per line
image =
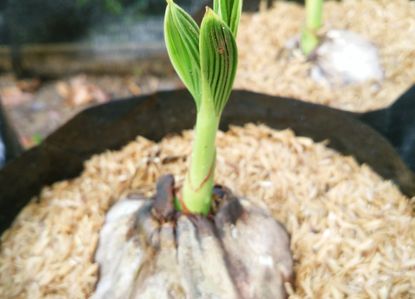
(147, 250)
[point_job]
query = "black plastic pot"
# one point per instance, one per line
(397, 124)
(112, 125)
(10, 146)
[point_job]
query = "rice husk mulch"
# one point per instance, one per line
(266, 64)
(352, 233)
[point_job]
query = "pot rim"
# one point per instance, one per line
(114, 124)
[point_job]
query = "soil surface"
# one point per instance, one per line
(351, 231)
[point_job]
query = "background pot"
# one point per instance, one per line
(112, 125)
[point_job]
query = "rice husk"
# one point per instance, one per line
(266, 64)
(352, 233)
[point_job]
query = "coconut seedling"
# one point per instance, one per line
(206, 61)
(314, 15)
(339, 57)
(171, 249)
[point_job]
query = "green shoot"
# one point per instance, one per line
(309, 38)
(206, 60)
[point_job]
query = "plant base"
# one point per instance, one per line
(148, 250)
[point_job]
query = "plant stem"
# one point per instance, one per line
(309, 38)
(198, 185)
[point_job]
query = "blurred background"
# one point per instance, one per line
(58, 57)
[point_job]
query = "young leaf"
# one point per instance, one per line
(181, 35)
(218, 59)
(230, 12)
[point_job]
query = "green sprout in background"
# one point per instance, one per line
(309, 37)
(206, 60)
